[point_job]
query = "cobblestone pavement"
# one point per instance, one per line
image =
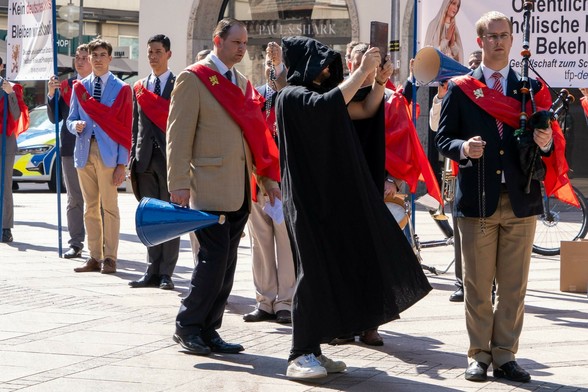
(62, 331)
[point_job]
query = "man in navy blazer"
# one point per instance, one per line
(101, 117)
(148, 154)
(496, 218)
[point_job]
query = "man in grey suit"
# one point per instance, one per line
(75, 199)
(148, 164)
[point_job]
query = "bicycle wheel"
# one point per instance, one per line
(559, 222)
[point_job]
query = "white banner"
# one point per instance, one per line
(558, 34)
(29, 39)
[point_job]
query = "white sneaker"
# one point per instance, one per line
(330, 365)
(304, 367)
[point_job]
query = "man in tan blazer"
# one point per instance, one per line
(214, 138)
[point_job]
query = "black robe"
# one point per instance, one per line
(356, 269)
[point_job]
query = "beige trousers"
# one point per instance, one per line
(273, 265)
(99, 190)
(504, 253)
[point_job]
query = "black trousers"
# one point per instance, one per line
(162, 258)
(201, 312)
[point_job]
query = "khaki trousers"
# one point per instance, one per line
(504, 253)
(99, 190)
(273, 264)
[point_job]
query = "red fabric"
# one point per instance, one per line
(155, 107)
(270, 122)
(405, 157)
(584, 103)
(245, 110)
(116, 120)
(66, 91)
(507, 110)
(22, 123)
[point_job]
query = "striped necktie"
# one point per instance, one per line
(97, 89)
(157, 89)
(498, 87)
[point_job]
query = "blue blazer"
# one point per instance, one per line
(462, 119)
(111, 152)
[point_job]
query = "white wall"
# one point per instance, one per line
(171, 20)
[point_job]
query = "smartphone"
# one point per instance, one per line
(379, 38)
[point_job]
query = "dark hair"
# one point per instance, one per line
(99, 43)
(82, 48)
(1, 61)
(224, 25)
(164, 39)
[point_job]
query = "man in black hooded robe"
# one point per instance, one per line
(356, 269)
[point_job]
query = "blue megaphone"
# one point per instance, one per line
(430, 65)
(158, 221)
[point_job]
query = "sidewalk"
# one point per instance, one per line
(62, 331)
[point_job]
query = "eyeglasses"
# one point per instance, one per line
(497, 37)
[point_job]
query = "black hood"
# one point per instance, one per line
(305, 59)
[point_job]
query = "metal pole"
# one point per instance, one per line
(414, 93)
(3, 159)
(81, 22)
(394, 46)
(57, 141)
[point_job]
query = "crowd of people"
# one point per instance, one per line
(206, 138)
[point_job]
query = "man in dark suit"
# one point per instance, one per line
(75, 199)
(496, 218)
(148, 163)
(215, 134)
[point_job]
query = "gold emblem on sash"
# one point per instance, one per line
(85, 96)
(213, 80)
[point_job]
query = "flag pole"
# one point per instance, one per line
(3, 159)
(57, 141)
(414, 97)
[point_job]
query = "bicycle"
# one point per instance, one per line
(559, 222)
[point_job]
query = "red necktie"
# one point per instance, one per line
(498, 87)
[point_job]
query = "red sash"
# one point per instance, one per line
(507, 109)
(66, 90)
(155, 107)
(22, 123)
(245, 110)
(405, 157)
(115, 120)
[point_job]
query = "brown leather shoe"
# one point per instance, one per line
(89, 266)
(371, 337)
(108, 266)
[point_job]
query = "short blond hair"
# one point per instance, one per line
(492, 16)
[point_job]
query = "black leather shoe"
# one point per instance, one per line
(166, 283)
(457, 295)
(193, 344)
(283, 317)
(73, 252)
(7, 235)
(513, 372)
(476, 371)
(218, 345)
(258, 315)
(145, 281)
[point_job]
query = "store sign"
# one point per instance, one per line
(316, 28)
(122, 52)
